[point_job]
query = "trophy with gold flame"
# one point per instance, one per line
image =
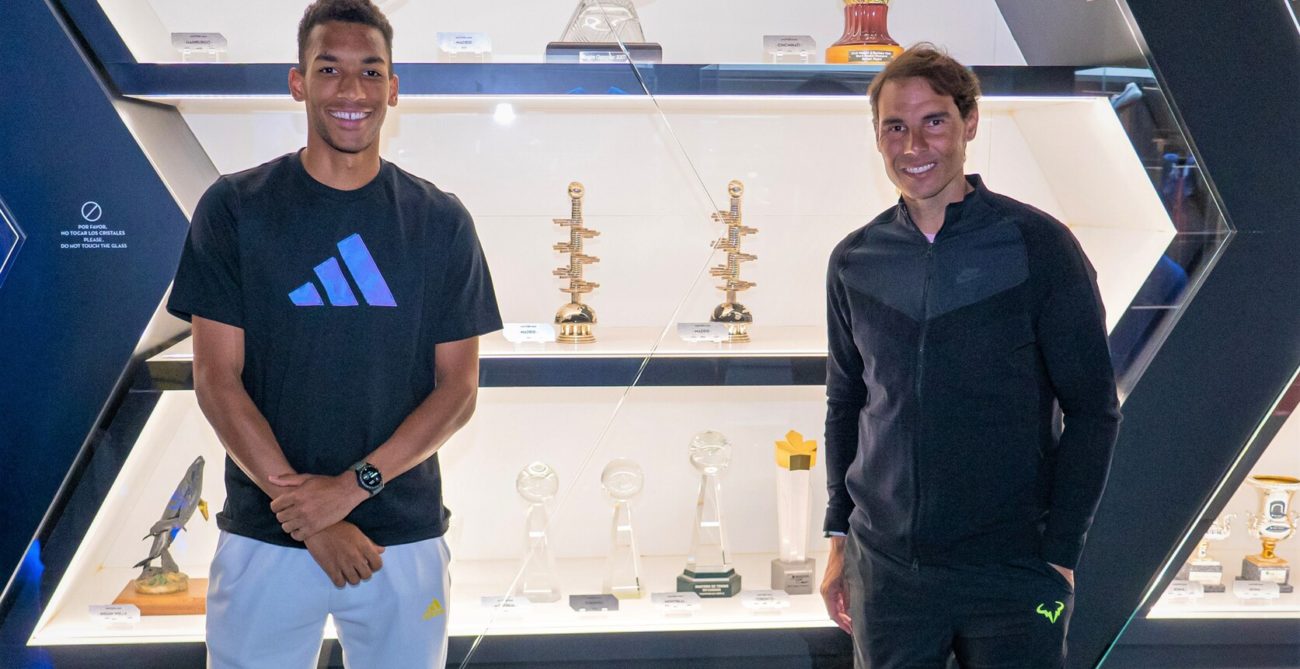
(731, 312)
(574, 320)
(792, 570)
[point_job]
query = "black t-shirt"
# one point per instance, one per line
(342, 296)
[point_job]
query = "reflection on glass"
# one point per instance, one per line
(622, 480)
(708, 573)
(537, 483)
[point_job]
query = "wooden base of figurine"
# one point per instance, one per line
(193, 600)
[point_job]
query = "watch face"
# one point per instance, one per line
(369, 477)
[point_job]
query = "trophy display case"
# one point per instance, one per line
(708, 175)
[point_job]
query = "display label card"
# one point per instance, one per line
(1255, 590)
(506, 604)
(115, 613)
(199, 47)
(676, 602)
(765, 600)
(1185, 589)
(597, 57)
(801, 49)
(702, 332)
(1273, 574)
(520, 333)
(462, 43)
(593, 602)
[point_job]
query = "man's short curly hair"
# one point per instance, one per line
(347, 11)
(944, 74)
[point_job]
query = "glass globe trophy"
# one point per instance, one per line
(622, 480)
(537, 483)
(708, 573)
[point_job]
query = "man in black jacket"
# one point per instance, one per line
(959, 322)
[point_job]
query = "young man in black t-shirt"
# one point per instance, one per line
(336, 303)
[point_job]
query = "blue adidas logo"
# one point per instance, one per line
(374, 290)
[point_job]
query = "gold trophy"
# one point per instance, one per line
(1203, 568)
(732, 313)
(1276, 523)
(574, 320)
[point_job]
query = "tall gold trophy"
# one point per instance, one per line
(1277, 522)
(574, 320)
(731, 312)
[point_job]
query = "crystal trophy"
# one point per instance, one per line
(732, 313)
(537, 483)
(168, 578)
(792, 570)
(1276, 522)
(604, 31)
(574, 320)
(708, 573)
(1203, 568)
(622, 480)
(866, 39)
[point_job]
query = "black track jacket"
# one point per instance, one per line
(948, 363)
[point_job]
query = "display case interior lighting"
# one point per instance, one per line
(504, 114)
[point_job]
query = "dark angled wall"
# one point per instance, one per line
(69, 317)
(1232, 73)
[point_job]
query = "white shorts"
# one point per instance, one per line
(267, 606)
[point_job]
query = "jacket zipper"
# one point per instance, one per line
(920, 405)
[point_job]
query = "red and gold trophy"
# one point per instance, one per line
(866, 39)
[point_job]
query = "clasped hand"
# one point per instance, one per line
(314, 502)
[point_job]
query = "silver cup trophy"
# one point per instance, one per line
(1203, 567)
(1276, 522)
(708, 572)
(538, 483)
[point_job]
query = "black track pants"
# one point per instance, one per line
(917, 616)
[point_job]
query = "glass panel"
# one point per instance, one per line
(1244, 563)
(709, 196)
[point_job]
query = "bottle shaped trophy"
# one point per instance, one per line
(574, 320)
(866, 39)
(622, 480)
(537, 483)
(708, 572)
(792, 570)
(1203, 568)
(1276, 522)
(732, 313)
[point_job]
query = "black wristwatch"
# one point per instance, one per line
(368, 477)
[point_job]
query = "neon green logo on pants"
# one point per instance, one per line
(1052, 615)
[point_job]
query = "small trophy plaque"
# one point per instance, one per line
(622, 480)
(600, 31)
(732, 313)
(537, 483)
(866, 39)
(165, 589)
(708, 573)
(574, 320)
(792, 570)
(1276, 522)
(1203, 568)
